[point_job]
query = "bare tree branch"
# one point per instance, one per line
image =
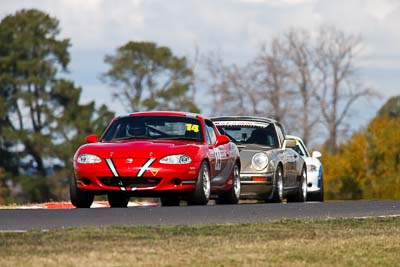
(336, 54)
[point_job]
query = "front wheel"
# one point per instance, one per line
(201, 194)
(79, 198)
(233, 194)
(301, 195)
(118, 200)
(277, 194)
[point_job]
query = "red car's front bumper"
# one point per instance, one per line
(136, 178)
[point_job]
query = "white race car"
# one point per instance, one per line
(315, 185)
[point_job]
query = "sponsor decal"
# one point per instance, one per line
(241, 123)
(217, 159)
(154, 171)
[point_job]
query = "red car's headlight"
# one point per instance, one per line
(88, 159)
(176, 159)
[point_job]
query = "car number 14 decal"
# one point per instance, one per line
(192, 127)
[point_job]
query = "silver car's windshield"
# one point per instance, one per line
(264, 135)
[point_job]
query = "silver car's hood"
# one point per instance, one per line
(253, 147)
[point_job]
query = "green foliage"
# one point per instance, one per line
(33, 189)
(148, 77)
(368, 165)
(41, 120)
(391, 108)
(29, 60)
(4, 191)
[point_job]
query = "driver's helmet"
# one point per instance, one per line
(136, 129)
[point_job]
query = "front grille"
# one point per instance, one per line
(130, 181)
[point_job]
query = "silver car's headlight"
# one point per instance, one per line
(311, 168)
(176, 159)
(259, 161)
(88, 159)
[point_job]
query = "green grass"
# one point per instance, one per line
(335, 242)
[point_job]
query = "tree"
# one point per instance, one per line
(259, 88)
(41, 119)
(367, 165)
(345, 169)
(30, 58)
(4, 191)
(301, 56)
(292, 75)
(391, 108)
(338, 86)
(231, 87)
(74, 122)
(148, 77)
(266, 86)
(273, 80)
(383, 180)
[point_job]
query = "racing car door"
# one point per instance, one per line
(218, 155)
(290, 160)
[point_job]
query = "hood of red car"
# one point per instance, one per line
(137, 148)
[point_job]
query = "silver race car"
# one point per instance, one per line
(270, 169)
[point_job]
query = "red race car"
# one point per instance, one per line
(172, 155)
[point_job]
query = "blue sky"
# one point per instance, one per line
(236, 28)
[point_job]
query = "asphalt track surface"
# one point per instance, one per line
(43, 219)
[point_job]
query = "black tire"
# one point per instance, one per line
(79, 198)
(201, 194)
(317, 196)
(301, 194)
(321, 192)
(169, 201)
(277, 194)
(233, 194)
(118, 200)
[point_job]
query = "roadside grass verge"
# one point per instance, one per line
(333, 242)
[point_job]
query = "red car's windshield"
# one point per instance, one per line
(154, 127)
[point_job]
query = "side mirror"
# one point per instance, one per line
(289, 143)
(222, 139)
(91, 138)
(316, 154)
